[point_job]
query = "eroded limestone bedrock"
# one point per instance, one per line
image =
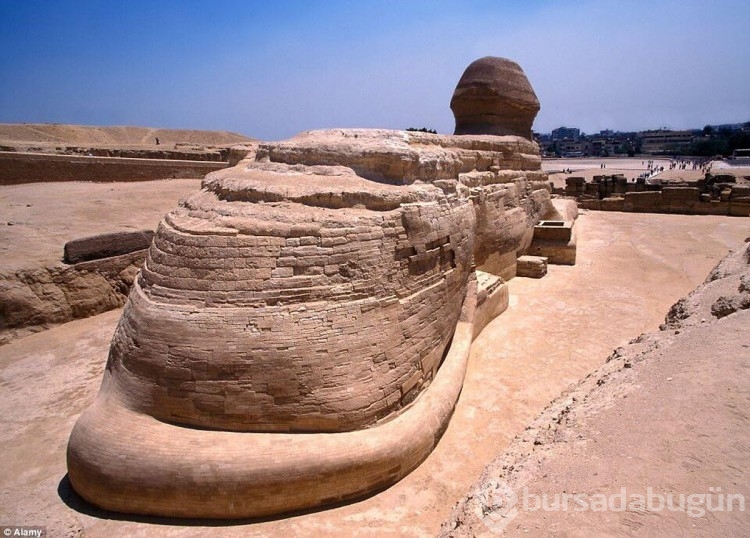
(299, 331)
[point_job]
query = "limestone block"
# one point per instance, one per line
(680, 194)
(739, 191)
(556, 241)
(553, 230)
(613, 204)
(575, 186)
(739, 208)
(532, 266)
(106, 245)
(492, 300)
(594, 204)
(647, 201)
(564, 209)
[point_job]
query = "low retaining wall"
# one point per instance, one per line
(99, 273)
(17, 168)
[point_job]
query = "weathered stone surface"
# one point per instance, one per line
(403, 157)
(299, 317)
(316, 286)
(100, 246)
(35, 299)
(532, 266)
(325, 284)
(556, 241)
(492, 300)
(494, 96)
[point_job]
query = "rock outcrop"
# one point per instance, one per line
(494, 97)
(34, 299)
(326, 284)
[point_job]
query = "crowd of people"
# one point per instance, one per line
(685, 164)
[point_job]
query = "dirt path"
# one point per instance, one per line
(631, 268)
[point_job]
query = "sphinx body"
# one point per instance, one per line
(299, 331)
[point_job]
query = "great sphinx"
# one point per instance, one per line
(299, 332)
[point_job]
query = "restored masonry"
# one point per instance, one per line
(303, 322)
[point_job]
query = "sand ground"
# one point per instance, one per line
(653, 443)
(39, 218)
(631, 168)
(671, 429)
(631, 268)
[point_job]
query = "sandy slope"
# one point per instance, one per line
(668, 412)
(59, 134)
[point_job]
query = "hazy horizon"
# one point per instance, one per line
(270, 70)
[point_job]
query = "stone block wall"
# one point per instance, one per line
(17, 168)
(324, 322)
(682, 200)
(306, 297)
(614, 193)
(508, 205)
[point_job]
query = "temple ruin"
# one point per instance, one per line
(299, 331)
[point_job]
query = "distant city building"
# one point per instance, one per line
(571, 142)
(570, 148)
(562, 133)
(664, 142)
(711, 140)
(604, 146)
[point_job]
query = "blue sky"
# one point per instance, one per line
(270, 69)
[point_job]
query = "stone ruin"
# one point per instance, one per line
(713, 195)
(299, 332)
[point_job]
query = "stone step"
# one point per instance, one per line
(531, 266)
